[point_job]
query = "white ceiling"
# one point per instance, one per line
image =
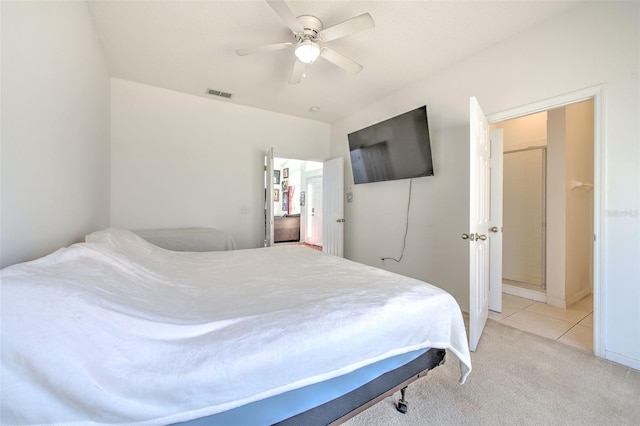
(189, 46)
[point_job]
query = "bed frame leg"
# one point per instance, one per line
(402, 404)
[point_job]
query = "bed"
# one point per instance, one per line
(118, 330)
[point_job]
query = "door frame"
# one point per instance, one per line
(597, 94)
(332, 242)
(268, 198)
(496, 139)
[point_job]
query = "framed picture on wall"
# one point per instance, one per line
(285, 173)
(276, 177)
(276, 195)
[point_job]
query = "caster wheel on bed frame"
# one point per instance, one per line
(402, 403)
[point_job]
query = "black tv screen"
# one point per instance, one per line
(397, 148)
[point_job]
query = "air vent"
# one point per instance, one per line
(214, 92)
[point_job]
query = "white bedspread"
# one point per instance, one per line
(117, 330)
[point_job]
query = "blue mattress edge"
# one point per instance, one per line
(280, 407)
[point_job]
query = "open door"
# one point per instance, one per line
(268, 198)
(333, 206)
(495, 221)
(314, 211)
(479, 210)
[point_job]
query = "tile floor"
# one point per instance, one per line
(573, 325)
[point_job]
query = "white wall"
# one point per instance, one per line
(294, 178)
(579, 204)
(55, 129)
(524, 132)
(180, 160)
(556, 208)
(596, 43)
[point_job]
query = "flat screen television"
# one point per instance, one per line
(397, 148)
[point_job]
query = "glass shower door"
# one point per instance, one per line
(524, 218)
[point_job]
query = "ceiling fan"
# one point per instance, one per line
(309, 34)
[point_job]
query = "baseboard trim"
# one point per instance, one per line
(578, 296)
(538, 296)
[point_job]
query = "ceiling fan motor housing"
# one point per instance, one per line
(312, 26)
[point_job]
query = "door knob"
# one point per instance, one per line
(494, 229)
(474, 237)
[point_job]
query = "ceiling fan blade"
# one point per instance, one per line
(351, 26)
(340, 60)
(297, 72)
(260, 49)
(286, 15)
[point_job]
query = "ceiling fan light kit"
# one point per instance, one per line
(307, 51)
(309, 32)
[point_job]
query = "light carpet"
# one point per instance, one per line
(518, 379)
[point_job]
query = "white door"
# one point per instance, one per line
(495, 222)
(268, 198)
(479, 203)
(313, 234)
(333, 207)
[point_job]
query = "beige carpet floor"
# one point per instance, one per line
(518, 379)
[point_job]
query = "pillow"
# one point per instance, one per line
(189, 239)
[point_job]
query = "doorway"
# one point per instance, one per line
(297, 212)
(550, 222)
(524, 205)
(548, 204)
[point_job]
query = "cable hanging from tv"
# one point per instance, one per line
(406, 229)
